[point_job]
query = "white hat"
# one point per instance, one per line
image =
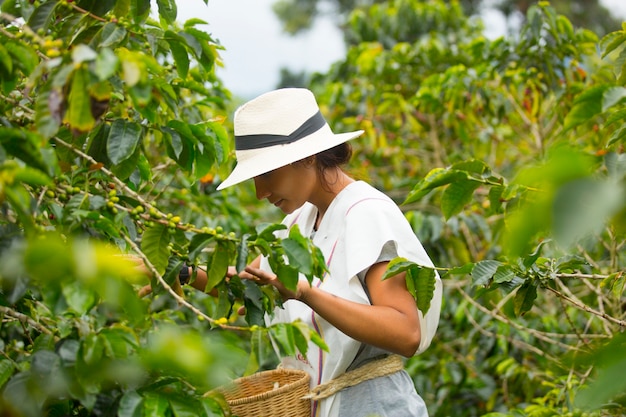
(278, 128)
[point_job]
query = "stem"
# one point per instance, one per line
(495, 315)
(588, 309)
(24, 319)
(173, 293)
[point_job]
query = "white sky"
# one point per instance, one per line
(256, 48)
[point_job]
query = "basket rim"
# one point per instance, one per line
(304, 379)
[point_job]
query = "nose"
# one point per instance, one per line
(261, 190)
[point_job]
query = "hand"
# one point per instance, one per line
(141, 268)
(262, 277)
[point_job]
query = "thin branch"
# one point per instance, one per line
(583, 276)
(109, 173)
(24, 319)
(539, 335)
(173, 293)
(511, 340)
(588, 309)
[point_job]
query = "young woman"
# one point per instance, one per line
(284, 144)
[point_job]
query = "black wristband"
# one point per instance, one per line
(184, 275)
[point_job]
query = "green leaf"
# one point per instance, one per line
(474, 166)
(155, 405)
(298, 255)
(609, 383)
(616, 283)
(524, 298)
(107, 226)
(184, 408)
(91, 349)
(456, 196)
(462, 270)
(112, 35)
(253, 304)
(282, 334)
(130, 405)
(504, 273)
(79, 298)
(288, 275)
(6, 370)
(612, 41)
(179, 52)
(222, 145)
(420, 282)
(83, 53)
(123, 139)
(242, 253)
(266, 231)
(167, 10)
(6, 63)
(583, 207)
(119, 342)
(24, 56)
(397, 266)
(78, 114)
(139, 10)
(586, 106)
(435, 178)
(300, 336)
(617, 136)
(42, 16)
(23, 145)
(45, 363)
(154, 244)
(197, 244)
(220, 260)
(107, 64)
(612, 96)
(483, 272)
(48, 112)
(256, 343)
(30, 176)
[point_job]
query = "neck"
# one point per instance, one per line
(335, 181)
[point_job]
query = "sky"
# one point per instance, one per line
(257, 48)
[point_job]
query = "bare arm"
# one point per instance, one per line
(391, 322)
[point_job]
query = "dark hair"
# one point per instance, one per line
(332, 158)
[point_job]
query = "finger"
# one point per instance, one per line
(260, 273)
(247, 275)
(145, 290)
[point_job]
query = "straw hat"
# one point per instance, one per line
(278, 128)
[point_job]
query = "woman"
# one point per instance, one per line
(284, 144)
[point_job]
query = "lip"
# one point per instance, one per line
(278, 202)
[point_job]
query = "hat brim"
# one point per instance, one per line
(254, 162)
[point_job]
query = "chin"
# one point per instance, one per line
(290, 208)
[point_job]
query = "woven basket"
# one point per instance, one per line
(275, 393)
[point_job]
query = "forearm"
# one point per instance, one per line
(381, 326)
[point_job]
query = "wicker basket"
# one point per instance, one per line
(275, 393)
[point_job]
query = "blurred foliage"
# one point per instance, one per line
(299, 15)
(507, 156)
(113, 137)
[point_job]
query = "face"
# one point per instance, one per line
(288, 187)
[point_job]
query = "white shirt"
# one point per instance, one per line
(355, 228)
